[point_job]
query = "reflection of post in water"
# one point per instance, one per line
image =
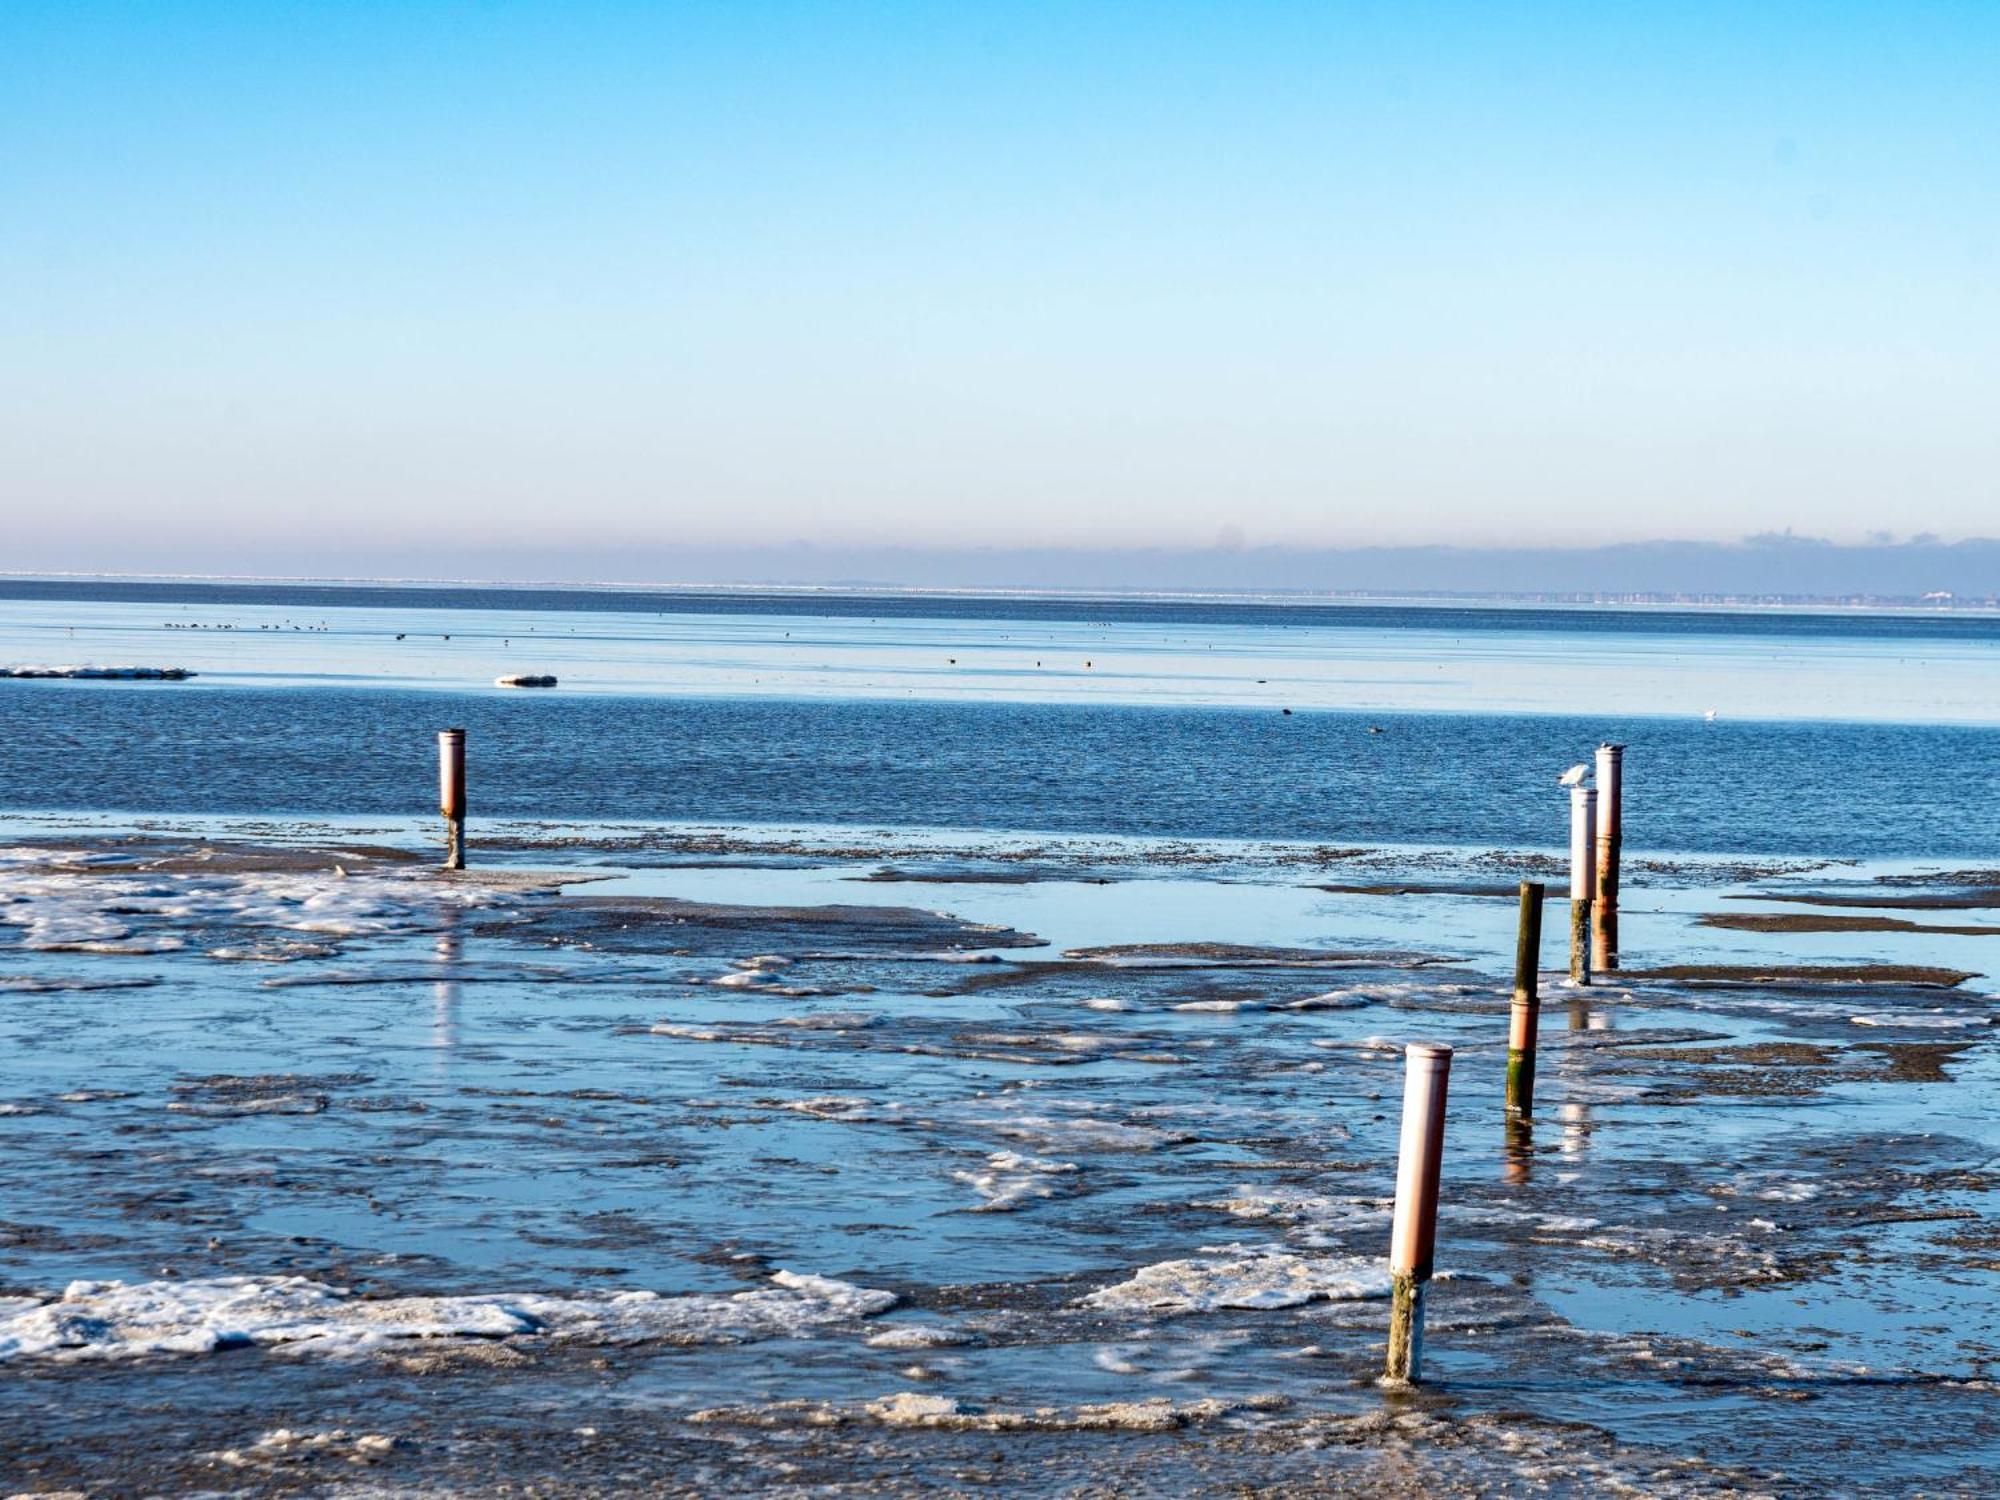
(1576, 1117)
(1576, 1128)
(444, 994)
(1517, 1156)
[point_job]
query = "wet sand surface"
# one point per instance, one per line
(687, 1162)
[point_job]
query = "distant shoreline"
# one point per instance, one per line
(205, 588)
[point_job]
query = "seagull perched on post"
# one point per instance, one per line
(1574, 775)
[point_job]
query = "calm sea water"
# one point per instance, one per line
(1481, 779)
(1867, 734)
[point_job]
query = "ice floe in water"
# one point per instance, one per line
(62, 911)
(915, 1336)
(1343, 999)
(1320, 1219)
(1929, 1020)
(115, 1319)
(1009, 1179)
(1243, 1276)
(282, 1446)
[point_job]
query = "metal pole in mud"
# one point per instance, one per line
(1610, 837)
(1526, 1017)
(1413, 1240)
(451, 795)
(1582, 848)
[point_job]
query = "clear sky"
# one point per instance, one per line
(277, 278)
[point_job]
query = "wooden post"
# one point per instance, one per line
(1582, 852)
(451, 795)
(1610, 835)
(1413, 1240)
(1525, 1018)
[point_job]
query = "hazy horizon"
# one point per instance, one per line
(1763, 566)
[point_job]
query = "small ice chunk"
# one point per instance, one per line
(1243, 1277)
(908, 1409)
(1349, 999)
(915, 1336)
(1011, 1179)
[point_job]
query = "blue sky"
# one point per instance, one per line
(277, 278)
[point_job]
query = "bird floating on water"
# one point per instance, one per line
(1574, 775)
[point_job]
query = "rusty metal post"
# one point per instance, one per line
(1413, 1239)
(1610, 838)
(1525, 1017)
(451, 795)
(1582, 855)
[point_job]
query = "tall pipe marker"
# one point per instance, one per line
(1525, 1016)
(451, 795)
(1582, 878)
(1610, 838)
(1413, 1240)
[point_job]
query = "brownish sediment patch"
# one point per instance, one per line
(1507, 892)
(1934, 901)
(1807, 974)
(1753, 1054)
(1207, 955)
(890, 875)
(668, 925)
(1944, 877)
(1915, 1062)
(1804, 922)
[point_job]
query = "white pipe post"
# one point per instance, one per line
(1582, 878)
(1413, 1239)
(1610, 838)
(451, 795)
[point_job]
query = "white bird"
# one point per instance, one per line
(1574, 775)
(1708, 716)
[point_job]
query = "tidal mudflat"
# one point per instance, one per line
(795, 1161)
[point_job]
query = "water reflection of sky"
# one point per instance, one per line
(1791, 676)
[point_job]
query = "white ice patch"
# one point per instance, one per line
(115, 1319)
(843, 1107)
(1320, 1219)
(1922, 1020)
(1347, 999)
(1360, 1044)
(915, 1336)
(1010, 1179)
(1074, 1127)
(1770, 1187)
(283, 1445)
(59, 911)
(1255, 1276)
